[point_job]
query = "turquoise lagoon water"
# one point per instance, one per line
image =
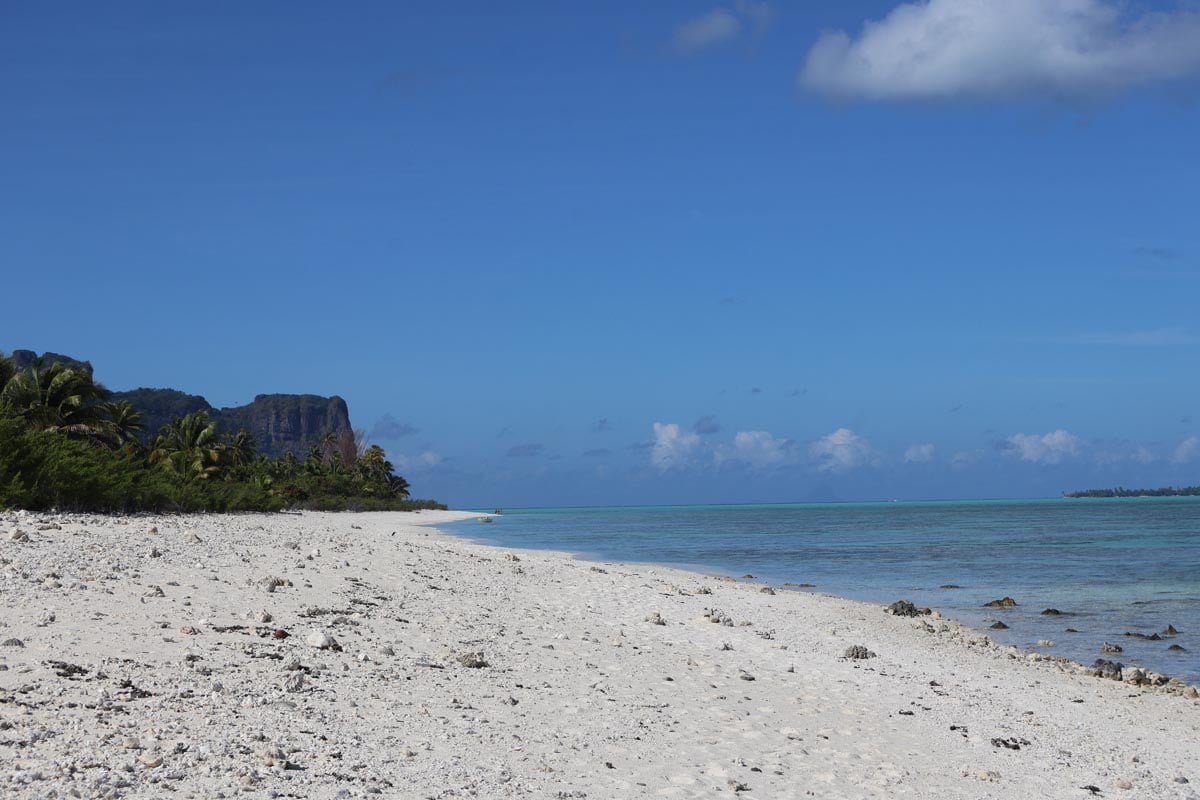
(1111, 566)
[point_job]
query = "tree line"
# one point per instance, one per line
(1121, 491)
(64, 444)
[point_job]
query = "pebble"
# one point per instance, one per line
(858, 652)
(321, 641)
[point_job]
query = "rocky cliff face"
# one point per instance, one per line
(24, 359)
(283, 423)
(280, 423)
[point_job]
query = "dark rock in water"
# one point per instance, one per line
(1178, 648)
(1051, 612)
(949, 586)
(1111, 648)
(1070, 630)
(748, 577)
(1006, 602)
(998, 626)
(1103, 668)
(1170, 631)
(801, 585)
(905, 608)
(1154, 637)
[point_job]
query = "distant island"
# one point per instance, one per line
(68, 443)
(1121, 491)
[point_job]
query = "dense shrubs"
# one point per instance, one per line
(62, 445)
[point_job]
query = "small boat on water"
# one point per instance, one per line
(485, 519)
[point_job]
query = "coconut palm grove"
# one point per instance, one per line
(65, 444)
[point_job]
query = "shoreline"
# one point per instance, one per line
(149, 660)
(971, 618)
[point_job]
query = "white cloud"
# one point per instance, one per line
(416, 463)
(709, 29)
(759, 449)
(841, 451)
(919, 454)
(1187, 451)
(673, 447)
(998, 49)
(1050, 448)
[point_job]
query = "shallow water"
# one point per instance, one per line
(1111, 566)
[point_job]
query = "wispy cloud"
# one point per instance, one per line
(1138, 454)
(673, 447)
(706, 30)
(706, 425)
(599, 452)
(417, 463)
(965, 458)
(1004, 49)
(1159, 337)
(919, 454)
(389, 429)
(721, 26)
(1158, 253)
(842, 451)
(1049, 448)
(525, 450)
(602, 426)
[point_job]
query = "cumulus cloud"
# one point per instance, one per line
(919, 454)
(1188, 450)
(525, 450)
(706, 425)
(841, 451)
(1004, 49)
(759, 449)
(1049, 448)
(416, 463)
(706, 30)
(673, 447)
(389, 429)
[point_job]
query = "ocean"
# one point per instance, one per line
(1111, 566)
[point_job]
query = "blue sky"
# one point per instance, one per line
(953, 253)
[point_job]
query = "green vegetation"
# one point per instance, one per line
(64, 443)
(1121, 491)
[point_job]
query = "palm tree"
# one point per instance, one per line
(57, 398)
(124, 421)
(7, 370)
(397, 486)
(189, 447)
(242, 449)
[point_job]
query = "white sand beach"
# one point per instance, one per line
(352, 655)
